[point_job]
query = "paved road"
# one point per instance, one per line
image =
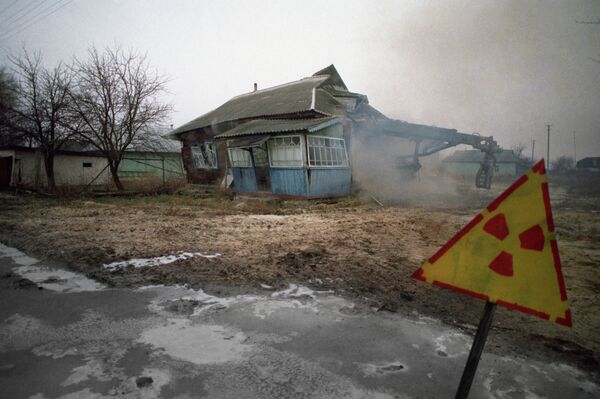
(78, 339)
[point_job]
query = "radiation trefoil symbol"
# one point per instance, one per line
(530, 239)
(508, 253)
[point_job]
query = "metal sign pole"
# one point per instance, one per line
(476, 349)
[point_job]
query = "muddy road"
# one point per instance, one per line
(357, 249)
(65, 336)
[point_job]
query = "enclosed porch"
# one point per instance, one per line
(289, 158)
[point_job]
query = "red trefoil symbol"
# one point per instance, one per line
(531, 239)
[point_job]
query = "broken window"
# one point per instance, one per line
(205, 155)
(260, 156)
(87, 164)
(286, 151)
(326, 152)
(239, 158)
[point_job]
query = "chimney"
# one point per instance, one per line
(255, 86)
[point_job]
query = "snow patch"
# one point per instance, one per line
(452, 344)
(158, 260)
(17, 256)
(57, 279)
(381, 369)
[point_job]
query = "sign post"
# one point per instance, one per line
(475, 354)
(506, 255)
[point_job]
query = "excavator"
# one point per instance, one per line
(430, 139)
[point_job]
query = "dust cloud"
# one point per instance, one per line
(381, 169)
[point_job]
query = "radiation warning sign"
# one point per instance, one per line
(508, 253)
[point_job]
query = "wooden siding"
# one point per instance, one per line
(329, 182)
(244, 180)
(288, 181)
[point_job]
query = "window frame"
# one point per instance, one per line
(310, 161)
(216, 152)
(302, 159)
(231, 162)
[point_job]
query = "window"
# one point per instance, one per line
(326, 152)
(285, 151)
(260, 156)
(87, 164)
(239, 158)
(205, 155)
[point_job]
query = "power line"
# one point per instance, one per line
(34, 19)
(21, 12)
(8, 6)
(18, 22)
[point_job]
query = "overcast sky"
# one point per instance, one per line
(498, 68)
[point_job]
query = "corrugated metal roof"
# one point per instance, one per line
(476, 156)
(248, 141)
(299, 96)
(270, 126)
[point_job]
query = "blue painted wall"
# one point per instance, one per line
(290, 181)
(244, 180)
(324, 182)
(293, 181)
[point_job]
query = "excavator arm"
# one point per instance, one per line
(430, 139)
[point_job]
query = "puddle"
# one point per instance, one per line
(157, 261)
(199, 344)
(57, 279)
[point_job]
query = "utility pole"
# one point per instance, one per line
(574, 148)
(548, 149)
(532, 150)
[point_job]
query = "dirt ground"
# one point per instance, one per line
(353, 246)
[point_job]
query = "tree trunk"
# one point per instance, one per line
(114, 171)
(49, 166)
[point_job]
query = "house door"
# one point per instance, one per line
(261, 168)
(5, 171)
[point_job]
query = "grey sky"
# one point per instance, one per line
(499, 68)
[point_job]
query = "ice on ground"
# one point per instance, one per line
(49, 278)
(158, 260)
(57, 279)
(263, 306)
(17, 256)
(295, 291)
(452, 344)
(381, 369)
(210, 302)
(199, 344)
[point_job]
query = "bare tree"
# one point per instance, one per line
(39, 110)
(117, 100)
(8, 86)
(518, 149)
(563, 164)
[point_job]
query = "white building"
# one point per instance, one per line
(22, 166)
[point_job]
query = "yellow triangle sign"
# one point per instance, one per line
(508, 253)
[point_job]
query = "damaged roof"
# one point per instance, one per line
(308, 94)
(270, 126)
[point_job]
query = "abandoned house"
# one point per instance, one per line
(311, 138)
